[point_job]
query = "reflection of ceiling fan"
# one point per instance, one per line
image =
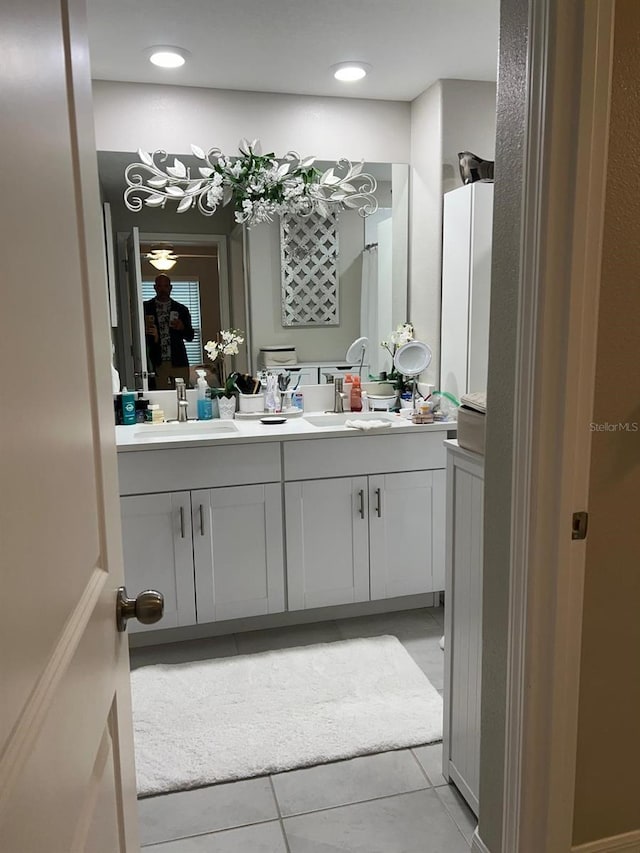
(162, 256)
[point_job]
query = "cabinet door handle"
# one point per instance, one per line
(378, 503)
(361, 507)
(182, 522)
(201, 520)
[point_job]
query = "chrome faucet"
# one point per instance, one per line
(183, 403)
(338, 396)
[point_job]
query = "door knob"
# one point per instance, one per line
(147, 607)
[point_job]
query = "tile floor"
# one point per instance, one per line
(392, 802)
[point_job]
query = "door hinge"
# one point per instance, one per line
(579, 525)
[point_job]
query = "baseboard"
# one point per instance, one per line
(279, 620)
(627, 843)
(477, 844)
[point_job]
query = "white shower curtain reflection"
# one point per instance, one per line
(376, 300)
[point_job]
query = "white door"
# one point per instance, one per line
(66, 752)
(157, 542)
(238, 551)
(406, 514)
(327, 542)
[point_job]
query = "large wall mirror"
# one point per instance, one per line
(229, 276)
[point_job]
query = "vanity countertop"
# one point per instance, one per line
(141, 437)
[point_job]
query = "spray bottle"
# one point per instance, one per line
(205, 407)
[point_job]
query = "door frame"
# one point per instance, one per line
(569, 56)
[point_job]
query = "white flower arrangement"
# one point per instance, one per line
(228, 343)
(259, 185)
(400, 336)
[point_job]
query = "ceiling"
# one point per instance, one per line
(289, 45)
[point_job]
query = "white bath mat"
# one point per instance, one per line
(234, 718)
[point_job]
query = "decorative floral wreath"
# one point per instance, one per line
(260, 186)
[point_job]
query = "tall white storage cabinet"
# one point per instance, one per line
(466, 288)
(463, 621)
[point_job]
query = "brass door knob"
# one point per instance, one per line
(147, 607)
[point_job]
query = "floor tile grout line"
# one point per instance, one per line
(422, 770)
(450, 813)
(279, 810)
(358, 803)
(212, 832)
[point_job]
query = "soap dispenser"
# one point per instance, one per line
(205, 406)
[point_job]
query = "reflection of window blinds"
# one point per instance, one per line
(188, 294)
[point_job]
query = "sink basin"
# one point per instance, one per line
(339, 418)
(176, 428)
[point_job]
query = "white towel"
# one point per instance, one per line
(367, 425)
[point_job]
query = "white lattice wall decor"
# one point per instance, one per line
(309, 265)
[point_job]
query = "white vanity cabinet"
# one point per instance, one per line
(237, 551)
(369, 537)
(157, 545)
(215, 551)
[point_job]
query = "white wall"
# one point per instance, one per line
(468, 124)
(425, 229)
(129, 116)
(451, 116)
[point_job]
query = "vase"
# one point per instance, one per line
(227, 408)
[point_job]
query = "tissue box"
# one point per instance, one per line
(472, 417)
(277, 356)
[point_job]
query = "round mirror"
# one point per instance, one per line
(412, 358)
(356, 351)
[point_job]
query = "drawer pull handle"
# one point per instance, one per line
(182, 522)
(201, 520)
(361, 508)
(378, 503)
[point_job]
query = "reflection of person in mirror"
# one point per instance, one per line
(167, 325)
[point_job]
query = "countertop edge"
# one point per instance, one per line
(308, 432)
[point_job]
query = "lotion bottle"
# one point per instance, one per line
(356, 395)
(128, 407)
(346, 387)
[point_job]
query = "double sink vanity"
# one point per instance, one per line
(237, 519)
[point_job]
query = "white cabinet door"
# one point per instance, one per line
(327, 542)
(156, 536)
(463, 622)
(238, 551)
(406, 513)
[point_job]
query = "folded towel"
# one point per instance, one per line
(476, 400)
(367, 425)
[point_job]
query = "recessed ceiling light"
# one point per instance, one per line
(349, 72)
(167, 56)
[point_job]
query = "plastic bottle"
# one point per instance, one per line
(205, 406)
(156, 414)
(128, 407)
(346, 387)
(365, 402)
(356, 395)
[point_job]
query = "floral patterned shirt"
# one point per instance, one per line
(163, 311)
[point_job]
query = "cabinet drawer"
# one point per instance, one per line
(145, 471)
(370, 454)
